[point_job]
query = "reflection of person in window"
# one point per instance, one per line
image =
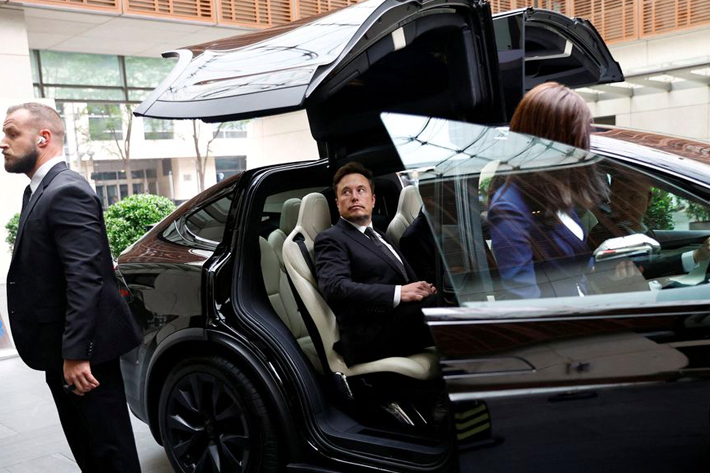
(628, 202)
(534, 228)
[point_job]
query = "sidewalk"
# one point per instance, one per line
(31, 438)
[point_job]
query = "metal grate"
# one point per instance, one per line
(274, 12)
(308, 8)
(663, 16)
(256, 12)
(498, 6)
(616, 20)
(187, 9)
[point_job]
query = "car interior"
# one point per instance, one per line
(386, 401)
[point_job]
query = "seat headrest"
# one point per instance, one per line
(410, 203)
(289, 215)
(314, 215)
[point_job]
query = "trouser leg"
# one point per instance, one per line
(97, 425)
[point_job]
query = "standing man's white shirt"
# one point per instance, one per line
(43, 170)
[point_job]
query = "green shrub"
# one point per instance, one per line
(698, 212)
(128, 219)
(659, 215)
(11, 228)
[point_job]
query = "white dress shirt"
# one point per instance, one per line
(43, 170)
(361, 229)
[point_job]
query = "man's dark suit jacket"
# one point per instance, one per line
(62, 293)
(358, 282)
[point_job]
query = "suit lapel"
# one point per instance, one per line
(56, 169)
(363, 240)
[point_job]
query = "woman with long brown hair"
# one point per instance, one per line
(532, 215)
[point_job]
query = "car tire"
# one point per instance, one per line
(213, 419)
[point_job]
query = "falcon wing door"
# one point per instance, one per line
(536, 46)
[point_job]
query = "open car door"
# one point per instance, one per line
(579, 367)
(306, 63)
(433, 57)
(537, 46)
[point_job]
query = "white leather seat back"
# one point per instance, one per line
(314, 217)
(408, 207)
(282, 300)
(287, 221)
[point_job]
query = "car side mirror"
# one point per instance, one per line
(629, 246)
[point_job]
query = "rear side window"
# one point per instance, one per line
(207, 224)
(203, 227)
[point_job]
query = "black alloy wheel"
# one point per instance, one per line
(213, 420)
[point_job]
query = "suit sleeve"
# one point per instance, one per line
(510, 235)
(661, 266)
(335, 278)
(75, 220)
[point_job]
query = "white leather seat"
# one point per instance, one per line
(283, 302)
(408, 207)
(313, 218)
(287, 220)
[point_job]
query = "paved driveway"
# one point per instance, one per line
(31, 438)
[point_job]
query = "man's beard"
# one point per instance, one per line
(360, 219)
(23, 164)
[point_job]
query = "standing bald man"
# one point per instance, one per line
(66, 314)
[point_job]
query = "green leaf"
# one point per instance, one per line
(11, 228)
(127, 220)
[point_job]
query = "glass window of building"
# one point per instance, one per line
(105, 122)
(146, 72)
(236, 129)
(227, 166)
(80, 69)
(154, 129)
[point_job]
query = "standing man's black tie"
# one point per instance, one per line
(26, 197)
(380, 246)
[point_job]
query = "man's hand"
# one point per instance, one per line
(77, 373)
(417, 291)
(702, 253)
(625, 269)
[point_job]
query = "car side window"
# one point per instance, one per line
(204, 227)
(511, 223)
(207, 224)
(657, 230)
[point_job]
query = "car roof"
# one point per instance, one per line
(686, 157)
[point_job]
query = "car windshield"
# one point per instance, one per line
(487, 196)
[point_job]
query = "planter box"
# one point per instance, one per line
(699, 225)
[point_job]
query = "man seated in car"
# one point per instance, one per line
(629, 200)
(371, 288)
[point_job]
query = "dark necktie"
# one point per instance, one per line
(26, 197)
(386, 251)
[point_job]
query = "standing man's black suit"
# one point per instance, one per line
(64, 303)
(358, 281)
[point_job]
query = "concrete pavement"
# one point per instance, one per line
(31, 438)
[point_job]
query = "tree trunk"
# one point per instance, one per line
(129, 176)
(199, 167)
(127, 155)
